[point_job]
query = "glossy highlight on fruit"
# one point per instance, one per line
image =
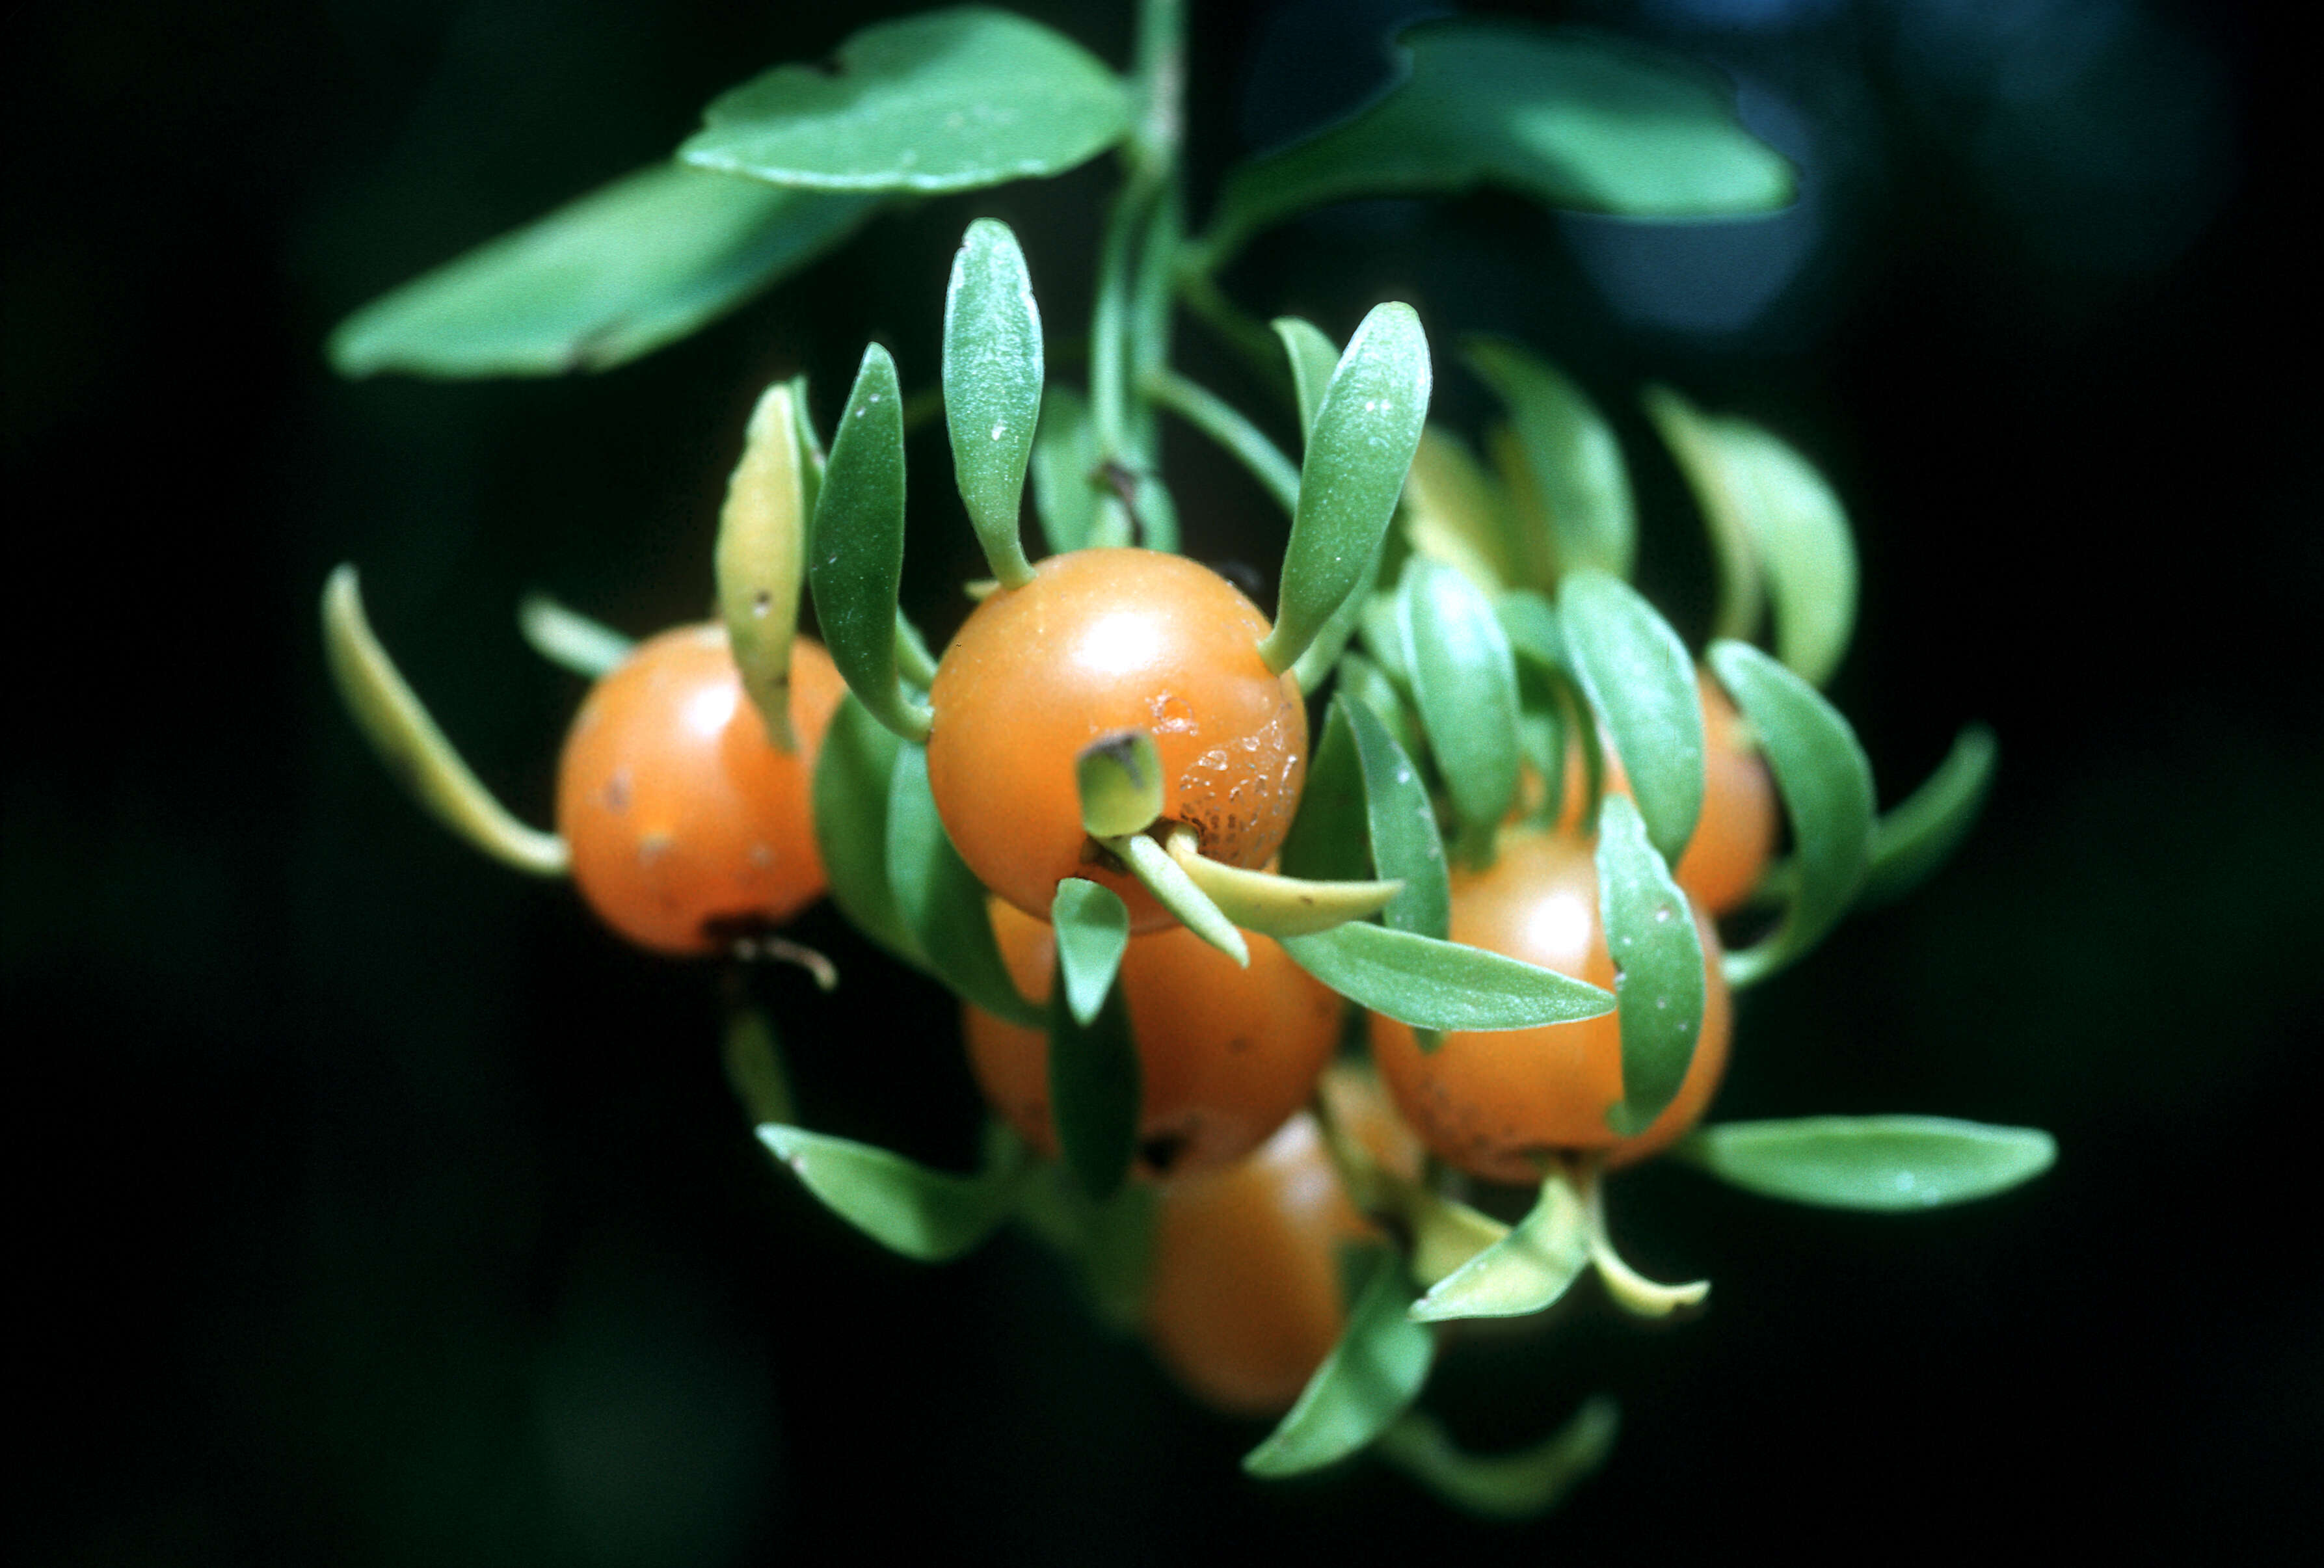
(689, 831)
(1225, 1054)
(1493, 1103)
(1101, 640)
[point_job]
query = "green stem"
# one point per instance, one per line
(1222, 422)
(1243, 333)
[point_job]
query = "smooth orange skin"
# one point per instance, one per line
(1495, 1103)
(1225, 1054)
(1243, 1302)
(688, 827)
(1102, 641)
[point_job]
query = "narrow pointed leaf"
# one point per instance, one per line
(1571, 457)
(571, 639)
(1370, 1377)
(1910, 842)
(600, 282)
(1885, 1163)
(1454, 513)
(1725, 501)
(855, 559)
(762, 558)
(1120, 780)
(1278, 906)
(1175, 892)
(1358, 453)
(1525, 1272)
(406, 739)
(1314, 357)
(852, 773)
(1464, 681)
(1093, 1090)
(1657, 964)
(941, 903)
(1327, 838)
(1322, 655)
(1567, 117)
(992, 389)
(1520, 1485)
(1443, 985)
(1639, 679)
(1826, 786)
(1093, 928)
(1400, 822)
(924, 1215)
(1065, 459)
(946, 100)
(1363, 681)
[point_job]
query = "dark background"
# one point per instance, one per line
(376, 1207)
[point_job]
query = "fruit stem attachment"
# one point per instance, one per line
(1633, 1292)
(414, 750)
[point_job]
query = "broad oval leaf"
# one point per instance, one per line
(925, 1214)
(1358, 453)
(1314, 357)
(1530, 623)
(1520, 1485)
(946, 100)
(853, 770)
(1826, 786)
(600, 282)
(1885, 1163)
(1525, 1272)
(1657, 964)
(1064, 463)
(1094, 1089)
(1574, 509)
(1570, 118)
(992, 389)
(1401, 824)
(1092, 931)
(941, 903)
(855, 555)
(1912, 841)
(1464, 681)
(1637, 676)
(1443, 985)
(1370, 1377)
(761, 560)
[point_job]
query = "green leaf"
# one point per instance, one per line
(1443, 985)
(1111, 1241)
(1570, 118)
(1092, 930)
(1524, 1272)
(1455, 513)
(1314, 357)
(852, 774)
(1910, 842)
(1167, 880)
(855, 557)
(1399, 822)
(1358, 453)
(760, 558)
(1119, 780)
(1316, 665)
(992, 389)
(1094, 1088)
(1327, 840)
(1657, 964)
(1639, 679)
(1370, 1378)
(941, 903)
(600, 282)
(1522, 1485)
(1725, 503)
(929, 1215)
(1464, 681)
(1361, 680)
(569, 640)
(1530, 623)
(1887, 1163)
(946, 100)
(1826, 786)
(1065, 459)
(754, 1065)
(1574, 468)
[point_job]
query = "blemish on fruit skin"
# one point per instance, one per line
(616, 794)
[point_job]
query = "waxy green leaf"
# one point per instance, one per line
(1065, 462)
(1464, 681)
(1094, 1090)
(1370, 1378)
(569, 640)
(1657, 963)
(1521, 1485)
(1328, 836)
(1118, 778)
(1454, 513)
(946, 100)
(992, 389)
(1826, 786)
(600, 282)
(1358, 452)
(941, 903)
(929, 1215)
(854, 774)
(855, 555)
(1639, 679)
(1570, 118)
(1574, 508)
(1092, 930)
(1887, 1163)
(1363, 681)
(1314, 357)
(1524, 1272)
(760, 558)
(1443, 985)
(1399, 822)
(1175, 892)
(1910, 842)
